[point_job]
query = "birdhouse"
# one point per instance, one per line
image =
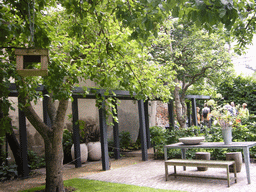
(32, 62)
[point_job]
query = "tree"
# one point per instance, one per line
(88, 40)
(196, 56)
(85, 41)
(238, 17)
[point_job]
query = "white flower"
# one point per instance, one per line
(211, 102)
(218, 96)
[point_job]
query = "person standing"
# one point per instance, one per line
(244, 112)
(198, 115)
(233, 111)
(206, 115)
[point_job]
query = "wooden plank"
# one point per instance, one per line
(197, 97)
(200, 176)
(19, 62)
(44, 62)
(195, 163)
(25, 51)
(32, 72)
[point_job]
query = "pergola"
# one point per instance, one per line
(78, 93)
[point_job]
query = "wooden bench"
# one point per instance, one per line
(204, 163)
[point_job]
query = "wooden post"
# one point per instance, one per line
(103, 136)
(76, 136)
(188, 114)
(171, 114)
(194, 116)
(23, 143)
(143, 131)
(46, 117)
(116, 135)
(147, 124)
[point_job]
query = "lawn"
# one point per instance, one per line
(92, 186)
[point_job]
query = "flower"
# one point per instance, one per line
(223, 115)
(218, 96)
(210, 102)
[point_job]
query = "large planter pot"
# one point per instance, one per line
(83, 152)
(94, 149)
(227, 135)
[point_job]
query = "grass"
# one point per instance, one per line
(92, 186)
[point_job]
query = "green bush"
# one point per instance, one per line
(67, 143)
(239, 90)
(158, 140)
(160, 137)
(8, 172)
(125, 140)
(34, 161)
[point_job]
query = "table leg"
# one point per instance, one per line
(183, 156)
(247, 163)
(165, 153)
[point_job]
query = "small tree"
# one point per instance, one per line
(196, 56)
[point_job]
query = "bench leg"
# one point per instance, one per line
(235, 172)
(174, 171)
(166, 171)
(228, 176)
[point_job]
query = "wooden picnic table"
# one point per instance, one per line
(215, 145)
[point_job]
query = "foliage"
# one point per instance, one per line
(85, 185)
(125, 140)
(198, 58)
(240, 133)
(224, 115)
(89, 131)
(158, 140)
(95, 40)
(239, 90)
(236, 16)
(34, 161)
(125, 143)
(67, 143)
(8, 172)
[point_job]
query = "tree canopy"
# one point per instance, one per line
(198, 58)
(103, 41)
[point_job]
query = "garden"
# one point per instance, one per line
(153, 50)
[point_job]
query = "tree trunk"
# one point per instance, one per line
(15, 147)
(53, 143)
(181, 115)
(54, 151)
(54, 166)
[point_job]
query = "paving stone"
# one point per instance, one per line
(151, 174)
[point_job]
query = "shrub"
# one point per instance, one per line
(34, 161)
(67, 143)
(125, 140)
(8, 172)
(160, 137)
(158, 140)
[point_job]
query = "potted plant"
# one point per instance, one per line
(223, 117)
(83, 143)
(90, 134)
(94, 145)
